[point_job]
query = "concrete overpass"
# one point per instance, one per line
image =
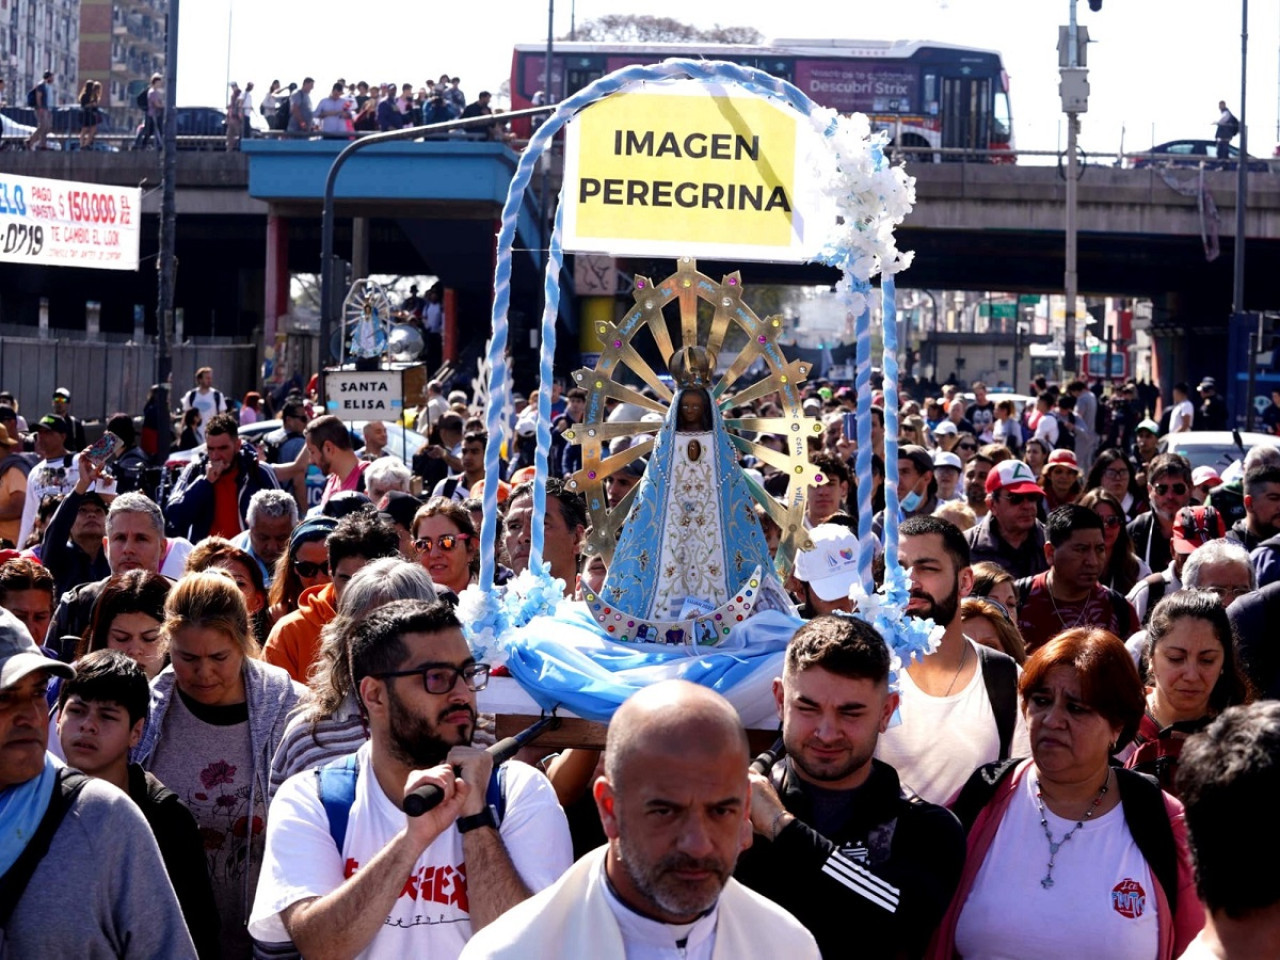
(247, 220)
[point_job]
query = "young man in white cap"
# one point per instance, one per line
(823, 575)
(60, 825)
(947, 468)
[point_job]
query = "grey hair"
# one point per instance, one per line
(1216, 551)
(134, 502)
(1264, 454)
(273, 504)
(373, 585)
(384, 475)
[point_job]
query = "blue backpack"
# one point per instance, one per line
(336, 788)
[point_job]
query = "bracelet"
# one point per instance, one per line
(773, 825)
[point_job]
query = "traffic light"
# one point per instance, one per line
(1095, 5)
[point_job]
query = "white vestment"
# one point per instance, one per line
(572, 917)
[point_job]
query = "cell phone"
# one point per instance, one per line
(105, 447)
(850, 426)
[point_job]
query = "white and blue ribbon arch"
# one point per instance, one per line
(492, 617)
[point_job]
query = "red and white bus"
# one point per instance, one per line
(926, 95)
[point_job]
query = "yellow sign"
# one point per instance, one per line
(685, 168)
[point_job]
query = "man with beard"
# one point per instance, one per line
(959, 705)
(348, 873)
(838, 841)
(674, 803)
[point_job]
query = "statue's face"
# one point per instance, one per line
(693, 406)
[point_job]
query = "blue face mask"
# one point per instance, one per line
(911, 501)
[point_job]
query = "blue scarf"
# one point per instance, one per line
(22, 807)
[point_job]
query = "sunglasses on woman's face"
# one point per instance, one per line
(447, 542)
(308, 570)
(966, 446)
(1110, 521)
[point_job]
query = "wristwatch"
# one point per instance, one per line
(484, 818)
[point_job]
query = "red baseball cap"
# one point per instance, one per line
(1013, 476)
(1195, 526)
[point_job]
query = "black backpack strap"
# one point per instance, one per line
(1124, 622)
(1156, 587)
(1000, 675)
(1148, 820)
(1023, 586)
(979, 789)
(16, 879)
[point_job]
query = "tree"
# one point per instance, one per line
(637, 28)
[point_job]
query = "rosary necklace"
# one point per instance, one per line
(1056, 845)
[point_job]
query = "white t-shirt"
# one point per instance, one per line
(1102, 903)
(1047, 430)
(1181, 410)
(431, 916)
(942, 740)
(209, 404)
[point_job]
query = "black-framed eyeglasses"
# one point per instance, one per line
(1116, 473)
(447, 541)
(308, 569)
(439, 678)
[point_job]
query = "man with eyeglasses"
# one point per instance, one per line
(1011, 535)
(346, 871)
(359, 538)
(1169, 490)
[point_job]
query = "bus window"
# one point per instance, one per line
(1002, 122)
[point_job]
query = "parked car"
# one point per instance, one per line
(208, 122)
(1214, 448)
(1192, 153)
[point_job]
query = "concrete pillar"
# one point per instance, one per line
(277, 276)
(359, 248)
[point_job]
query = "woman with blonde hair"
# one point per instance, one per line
(217, 716)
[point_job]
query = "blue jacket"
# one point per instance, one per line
(189, 512)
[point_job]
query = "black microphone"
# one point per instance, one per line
(765, 761)
(428, 796)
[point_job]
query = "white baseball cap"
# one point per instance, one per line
(831, 567)
(945, 427)
(941, 458)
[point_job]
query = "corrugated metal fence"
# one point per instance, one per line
(105, 378)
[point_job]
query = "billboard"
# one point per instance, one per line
(64, 223)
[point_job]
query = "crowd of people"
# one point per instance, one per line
(352, 108)
(215, 694)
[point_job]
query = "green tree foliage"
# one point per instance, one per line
(638, 28)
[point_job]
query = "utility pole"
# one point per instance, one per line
(167, 264)
(1242, 204)
(1074, 91)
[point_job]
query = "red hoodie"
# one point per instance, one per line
(294, 643)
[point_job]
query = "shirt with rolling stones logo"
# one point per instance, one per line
(1101, 903)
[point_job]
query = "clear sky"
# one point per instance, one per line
(1157, 69)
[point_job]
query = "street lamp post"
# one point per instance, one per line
(1074, 90)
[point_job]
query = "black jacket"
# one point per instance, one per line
(182, 849)
(64, 558)
(1149, 542)
(876, 888)
(189, 512)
